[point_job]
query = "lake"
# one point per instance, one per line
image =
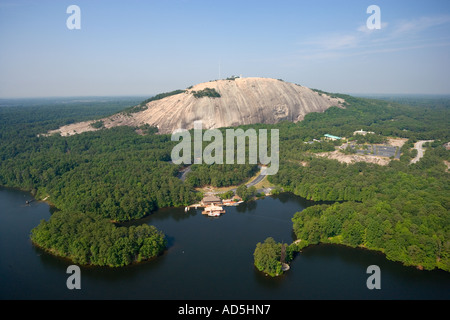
(207, 259)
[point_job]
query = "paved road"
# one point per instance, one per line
(255, 181)
(419, 147)
(184, 173)
(258, 179)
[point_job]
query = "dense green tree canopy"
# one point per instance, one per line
(90, 239)
(116, 174)
(270, 255)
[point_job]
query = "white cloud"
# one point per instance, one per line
(332, 42)
(366, 30)
(392, 37)
(420, 24)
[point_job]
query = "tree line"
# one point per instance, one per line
(118, 175)
(270, 256)
(88, 239)
(400, 209)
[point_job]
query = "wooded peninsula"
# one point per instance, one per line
(96, 180)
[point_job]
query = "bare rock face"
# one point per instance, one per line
(242, 101)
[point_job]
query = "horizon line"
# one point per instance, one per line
(151, 95)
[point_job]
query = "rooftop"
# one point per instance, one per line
(332, 137)
(211, 198)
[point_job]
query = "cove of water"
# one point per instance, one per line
(207, 259)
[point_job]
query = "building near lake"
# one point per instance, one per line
(331, 137)
(213, 211)
(211, 200)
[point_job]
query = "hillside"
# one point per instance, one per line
(220, 103)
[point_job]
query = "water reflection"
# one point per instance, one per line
(206, 259)
(247, 206)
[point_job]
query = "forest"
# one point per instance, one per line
(401, 209)
(93, 180)
(117, 175)
(90, 239)
(270, 256)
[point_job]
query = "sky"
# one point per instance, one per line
(136, 47)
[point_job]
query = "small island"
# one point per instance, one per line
(273, 258)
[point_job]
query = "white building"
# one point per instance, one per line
(362, 132)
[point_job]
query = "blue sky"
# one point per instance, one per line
(147, 47)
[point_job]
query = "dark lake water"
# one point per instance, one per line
(207, 259)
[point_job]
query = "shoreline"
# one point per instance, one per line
(68, 259)
(364, 248)
(380, 251)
